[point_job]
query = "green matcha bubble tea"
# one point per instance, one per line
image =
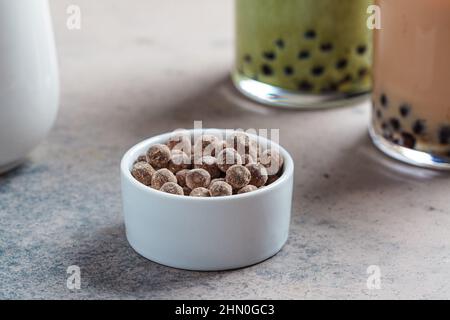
(318, 47)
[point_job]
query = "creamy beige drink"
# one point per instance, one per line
(412, 79)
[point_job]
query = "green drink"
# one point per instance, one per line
(302, 52)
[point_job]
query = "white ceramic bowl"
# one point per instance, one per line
(216, 233)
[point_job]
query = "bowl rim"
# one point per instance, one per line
(128, 160)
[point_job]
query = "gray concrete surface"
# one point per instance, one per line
(138, 68)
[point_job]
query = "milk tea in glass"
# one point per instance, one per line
(411, 95)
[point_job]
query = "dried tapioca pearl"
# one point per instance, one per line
(187, 191)
(247, 159)
(272, 160)
(179, 161)
(258, 174)
(180, 141)
(219, 146)
(209, 163)
(172, 187)
(198, 178)
(200, 192)
(238, 176)
(162, 176)
(227, 158)
(247, 188)
(243, 144)
(181, 177)
(141, 158)
(158, 156)
(220, 189)
(205, 145)
(271, 179)
(216, 180)
(143, 172)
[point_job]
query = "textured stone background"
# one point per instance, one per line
(138, 68)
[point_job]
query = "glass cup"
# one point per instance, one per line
(411, 97)
(303, 53)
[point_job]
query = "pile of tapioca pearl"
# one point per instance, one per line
(210, 167)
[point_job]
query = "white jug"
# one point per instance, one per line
(29, 86)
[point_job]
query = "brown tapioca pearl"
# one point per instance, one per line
(205, 145)
(258, 174)
(172, 188)
(186, 191)
(326, 46)
(247, 159)
(310, 34)
(180, 141)
(238, 176)
(419, 127)
(272, 179)
(266, 69)
(209, 163)
(279, 43)
(379, 114)
(242, 143)
(346, 79)
(305, 85)
(158, 156)
(141, 158)
(247, 188)
(272, 160)
(200, 192)
(198, 178)
(395, 124)
(227, 158)
(341, 64)
(181, 177)
(361, 49)
(269, 55)
(408, 140)
(384, 100)
(444, 135)
(303, 54)
(404, 110)
(162, 176)
(220, 189)
(317, 71)
(143, 172)
(216, 180)
(179, 161)
(219, 146)
(362, 72)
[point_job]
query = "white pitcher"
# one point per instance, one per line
(29, 87)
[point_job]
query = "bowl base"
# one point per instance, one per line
(198, 266)
(10, 166)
